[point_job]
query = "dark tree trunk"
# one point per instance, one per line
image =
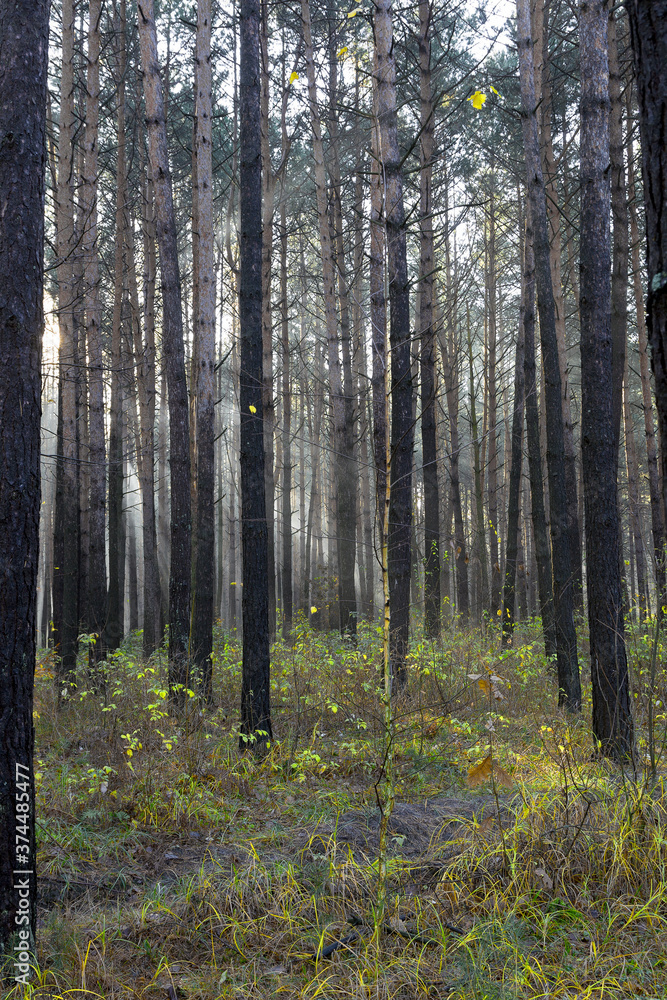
(538, 514)
(133, 579)
(493, 526)
(479, 548)
(514, 498)
(66, 245)
(204, 334)
(97, 565)
(287, 585)
(24, 33)
(619, 210)
(657, 510)
(58, 536)
(612, 718)
(378, 316)
(648, 27)
(450, 366)
(402, 425)
(569, 693)
(174, 360)
(427, 334)
(114, 626)
(255, 689)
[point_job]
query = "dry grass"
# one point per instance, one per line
(172, 866)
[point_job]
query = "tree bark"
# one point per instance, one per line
(479, 547)
(287, 584)
(538, 514)
(612, 718)
(66, 296)
(514, 498)
(492, 482)
(378, 316)
(633, 500)
(427, 333)
(553, 212)
(657, 511)
(569, 685)
(619, 211)
(268, 191)
(204, 333)
(343, 442)
(402, 424)
(174, 359)
(24, 32)
(97, 565)
(648, 29)
(255, 684)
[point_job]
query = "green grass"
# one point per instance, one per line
(169, 861)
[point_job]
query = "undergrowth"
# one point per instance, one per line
(171, 865)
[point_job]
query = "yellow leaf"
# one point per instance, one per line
(341, 52)
(477, 99)
(313, 610)
(253, 409)
(495, 91)
(352, 13)
(480, 772)
(484, 686)
(293, 77)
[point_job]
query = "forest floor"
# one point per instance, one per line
(520, 863)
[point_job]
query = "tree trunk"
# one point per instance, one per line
(648, 28)
(633, 499)
(66, 295)
(612, 718)
(427, 334)
(287, 584)
(553, 212)
(494, 557)
(378, 315)
(402, 426)
(268, 190)
(97, 564)
(114, 625)
(144, 365)
(538, 513)
(514, 498)
(174, 360)
(569, 693)
(343, 441)
(657, 513)
(255, 685)
(204, 334)
(24, 31)
(449, 351)
(479, 547)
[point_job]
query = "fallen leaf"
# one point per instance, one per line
(480, 772)
(502, 776)
(546, 879)
(398, 925)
